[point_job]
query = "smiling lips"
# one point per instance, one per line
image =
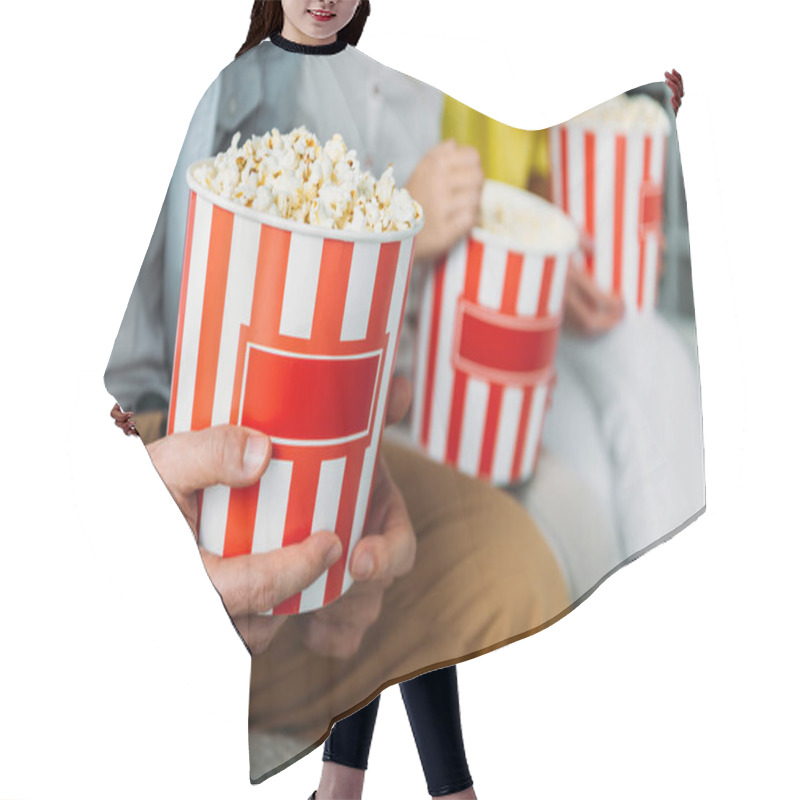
(322, 16)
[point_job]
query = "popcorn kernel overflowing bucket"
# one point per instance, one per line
(290, 329)
(489, 324)
(608, 169)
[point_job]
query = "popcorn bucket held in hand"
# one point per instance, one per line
(489, 325)
(290, 329)
(608, 174)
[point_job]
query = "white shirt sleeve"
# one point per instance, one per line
(139, 371)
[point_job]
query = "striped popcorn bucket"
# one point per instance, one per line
(610, 180)
(490, 318)
(292, 330)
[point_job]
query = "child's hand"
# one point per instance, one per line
(124, 420)
(675, 82)
(588, 309)
(447, 183)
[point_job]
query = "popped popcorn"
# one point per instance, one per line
(524, 219)
(634, 112)
(293, 176)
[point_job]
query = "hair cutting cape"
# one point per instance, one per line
(612, 423)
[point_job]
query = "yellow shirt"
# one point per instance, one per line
(508, 154)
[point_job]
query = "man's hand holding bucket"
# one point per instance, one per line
(252, 584)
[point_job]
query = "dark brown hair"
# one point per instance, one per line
(266, 19)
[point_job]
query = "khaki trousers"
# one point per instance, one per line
(483, 577)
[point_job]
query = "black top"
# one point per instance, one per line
(309, 49)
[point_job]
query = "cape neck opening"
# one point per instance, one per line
(308, 49)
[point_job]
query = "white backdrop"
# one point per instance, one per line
(120, 674)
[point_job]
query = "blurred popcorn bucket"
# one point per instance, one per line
(490, 318)
(292, 330)
(608, 169)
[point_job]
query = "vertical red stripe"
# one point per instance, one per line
(344, 521)
(265, 311)
(273, 263)
(547, 285)
(382, 293)
(241, 521)
(456, 417)
(299, 513)
(334, 277)
(219, 250)
(289, 606)
(589, 168)
(508, 305)
(490, 430)
(433, 345)
(236, 395)
(619, 211)
(660, 232)
(187, 258)
(472, 278)
(648, 143)
(513, 277)
(471, 283)
(564, 170)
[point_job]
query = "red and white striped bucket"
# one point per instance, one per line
(293, 330)
(610, 180)
(490, 318)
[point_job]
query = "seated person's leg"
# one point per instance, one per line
(351, 738)
(483, 575)
(577, 526)
(645, 389)
(572, 433)
(571, 494)
(346, 754)
(431, 701)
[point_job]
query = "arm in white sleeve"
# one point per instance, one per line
(139, 372)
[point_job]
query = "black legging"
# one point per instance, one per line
(432, 706)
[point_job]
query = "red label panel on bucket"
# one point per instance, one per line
(650, 207)
(321, 399)
(503, 347)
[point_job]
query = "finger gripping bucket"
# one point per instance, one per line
(489, 324)
(608, 169)
(292, 330)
